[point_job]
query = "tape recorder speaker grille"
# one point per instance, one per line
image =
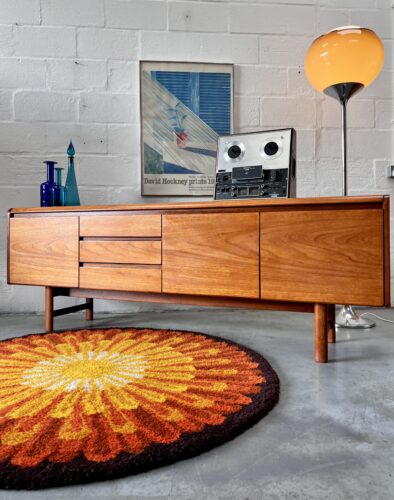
(256, 165)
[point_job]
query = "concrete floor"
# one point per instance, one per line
(330, 437)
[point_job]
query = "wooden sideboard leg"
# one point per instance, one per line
(321, 344)
(48, 309)
(89, 310)
(331, 324)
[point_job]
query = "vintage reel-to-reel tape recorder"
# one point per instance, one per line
(256, 165)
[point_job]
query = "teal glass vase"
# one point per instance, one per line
(72, 195)
(61, 190)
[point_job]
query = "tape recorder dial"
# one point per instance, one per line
(256, 165)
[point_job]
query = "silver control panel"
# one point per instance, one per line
(256, 165)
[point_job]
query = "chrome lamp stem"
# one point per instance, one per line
(344, 147)
(347, 316)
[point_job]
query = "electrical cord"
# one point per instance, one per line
(376, 316)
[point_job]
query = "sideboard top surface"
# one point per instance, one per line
(232, 204)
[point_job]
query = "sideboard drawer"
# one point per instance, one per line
(130, 279)
(120, 225)
(120, 252)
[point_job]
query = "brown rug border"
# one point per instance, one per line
(190, 444)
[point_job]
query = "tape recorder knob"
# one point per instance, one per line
(271, 148)
(234, 151)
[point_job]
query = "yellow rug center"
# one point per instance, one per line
(89, 369)
(85, 371)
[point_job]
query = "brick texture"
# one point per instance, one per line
(73, 12)
(70, 70)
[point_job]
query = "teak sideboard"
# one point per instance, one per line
(305, 254)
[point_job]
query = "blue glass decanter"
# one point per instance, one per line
(72, 196)
(58, 191)
(46, 187)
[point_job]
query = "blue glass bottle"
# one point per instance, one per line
(46, 187)
(58, 191)
(72, 196)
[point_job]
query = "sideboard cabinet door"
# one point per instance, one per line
(44, 251)
(211, 254)
(329, 256)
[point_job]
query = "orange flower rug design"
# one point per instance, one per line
(89, 405)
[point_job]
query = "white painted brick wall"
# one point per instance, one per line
(284, 19)
(136, 14)
(168, 45)
(239, 49)
(123, 76)
(108, 108)
(278, 110)
(384, 118)
(197, 16)
(42, 41)
(6, 41)
(20, 11)
(45, 107)
(22, 74)
(360, 112)
(283, 51)
(327, 18)
(72, 12)
(69, 69)
(20, 138)
(5, 105)
(123, 139)
(95, 43)
(74, 74)
(246, 113)
(258, 81)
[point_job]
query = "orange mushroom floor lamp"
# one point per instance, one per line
(339, 64)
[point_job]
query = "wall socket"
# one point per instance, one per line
(390, 171)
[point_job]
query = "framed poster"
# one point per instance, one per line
(184, 108)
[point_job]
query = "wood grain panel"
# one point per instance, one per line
(121, 225)
(323, 256)
(196, 300)
(132, 279)
(44, 251)
(221, 204)
(386, 229)
(211, 254)
(121, 252)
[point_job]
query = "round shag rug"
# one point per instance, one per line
(89, 405)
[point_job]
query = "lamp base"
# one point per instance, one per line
(348, 318)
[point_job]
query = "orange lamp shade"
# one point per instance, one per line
(344, 55)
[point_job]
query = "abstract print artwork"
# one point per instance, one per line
(184, 108)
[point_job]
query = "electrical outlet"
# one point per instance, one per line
(390, 171)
